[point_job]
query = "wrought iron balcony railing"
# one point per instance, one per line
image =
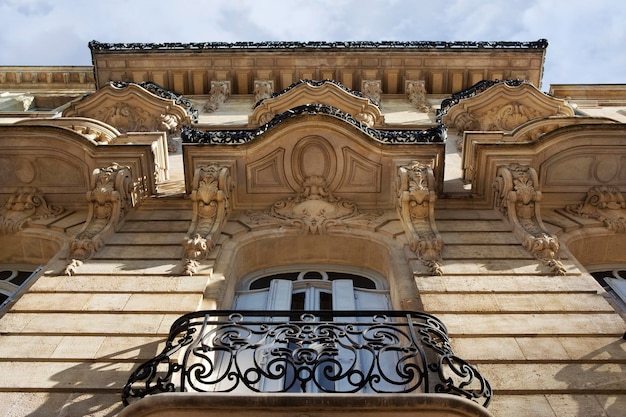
(315, 351)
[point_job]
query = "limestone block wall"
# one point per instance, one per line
(69, 344)
(550, 346)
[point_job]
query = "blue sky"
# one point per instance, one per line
(587, 39)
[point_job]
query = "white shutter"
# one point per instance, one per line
(343, 295)
(279, 297)
(619, 286)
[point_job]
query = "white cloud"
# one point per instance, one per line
(586, 38)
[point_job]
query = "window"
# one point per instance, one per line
(614, 282)
(12, 279)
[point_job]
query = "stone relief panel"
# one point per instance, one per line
(39, 171)
(110, 199)
(268, 174)
(314, 210)
(519, 201)
(210, 199)
(416, 207)
(26, 204)
(605, 204)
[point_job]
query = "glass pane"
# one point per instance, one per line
(21, 277)
(357, 280)
(264, 282)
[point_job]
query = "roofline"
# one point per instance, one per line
(96, 46)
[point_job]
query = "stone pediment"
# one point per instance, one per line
(131, 108)
(318, 92)
(503, 107)
(283, 160)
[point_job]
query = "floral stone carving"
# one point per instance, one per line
(26, 204)
(603, 203)
(210, 198)
(109, 200)
(416, 205)
(416, 93)
(519, 201)
(220, 90)
(314, 210)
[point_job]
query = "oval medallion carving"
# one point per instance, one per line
(607, 168)
(313, 156)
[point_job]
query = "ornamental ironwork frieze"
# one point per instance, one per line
(210, 198)
(314, 210)
(605, 204)
(416, 206)
(26, 204)
(517, 198)
(435, 134)
(111, 197)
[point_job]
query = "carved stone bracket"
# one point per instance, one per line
(263, 89)
(604, 204)
(520, 202)
(314, 210)
(220, 90)
(26, 204)
(416, 206)
(372, 89)
(109, 200)
(210, 197)
(416, 93)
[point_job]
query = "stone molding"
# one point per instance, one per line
(504, 107)
(26, 204)
(110, 198)
(605, 204)
(326, 93)
(314, 210)
(210, 198)
(517, 198)
(416, 206)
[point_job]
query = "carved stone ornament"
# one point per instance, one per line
(416, 93)
(210, 197)
(109, 200)
(26, 204)
(314, 210)
(520, 202)
(605, 204)
(220, 90)
(263, 89)
(131, 108)
(372, 89)
(503, 107)
(416, 206)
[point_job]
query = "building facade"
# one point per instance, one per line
(311, 229)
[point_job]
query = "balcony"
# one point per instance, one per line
(308, 354)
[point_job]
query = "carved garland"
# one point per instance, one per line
(210, 198)
(416, 205)
(109, 200)
(26, 204)
(314, 210)
(604, 204)
(517, 198)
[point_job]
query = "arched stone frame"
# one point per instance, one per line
(271, 248)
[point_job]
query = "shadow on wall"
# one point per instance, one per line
(600, 377)
(74, 395)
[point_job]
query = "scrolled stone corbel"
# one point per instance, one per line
(210, 196)
(110, 198)
(416, 206)
(605, 204)
(518, 199)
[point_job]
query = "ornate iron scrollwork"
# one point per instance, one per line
(435, 134)
(317, 351)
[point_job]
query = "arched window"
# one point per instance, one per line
(308, 289)
(613, 281)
